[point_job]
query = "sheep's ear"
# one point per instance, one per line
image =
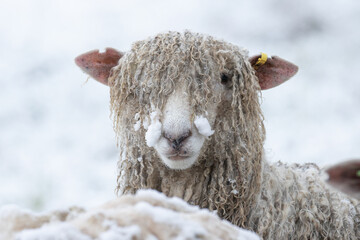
(346, 177)
(98, 65)
(272, 71)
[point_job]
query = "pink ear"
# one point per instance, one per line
(98, 65)
(273, 72)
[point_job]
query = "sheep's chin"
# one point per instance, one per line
(179, 164)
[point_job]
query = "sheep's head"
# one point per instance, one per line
(175, 90)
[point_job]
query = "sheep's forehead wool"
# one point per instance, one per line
(154, 68)
(203, 126)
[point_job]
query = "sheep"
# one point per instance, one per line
(146, 215)
(186, 111)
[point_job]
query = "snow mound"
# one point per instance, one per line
(146, 215)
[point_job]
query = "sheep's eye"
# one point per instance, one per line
(225, 79)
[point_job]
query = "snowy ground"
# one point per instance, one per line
(57, 146)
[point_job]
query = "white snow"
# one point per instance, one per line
(146, 215)
(124, 233)
(137, 125)
(171, 219)
(123, 155)
(146, 123)
(60, 231)
(12, 210)
(153, 132)
(203, 126)
(234, 191)
(232, 181)
(174, 201)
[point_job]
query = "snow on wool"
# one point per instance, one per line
(153, 132)
(147, 215)
(203, 126)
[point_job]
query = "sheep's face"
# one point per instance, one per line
(191, 85)
(182, 136)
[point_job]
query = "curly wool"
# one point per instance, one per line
(230, 175)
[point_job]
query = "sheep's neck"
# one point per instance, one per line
(218, 184)
(188, 185)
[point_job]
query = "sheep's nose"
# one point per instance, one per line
(176, 142)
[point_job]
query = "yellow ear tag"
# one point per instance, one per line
(261, 60)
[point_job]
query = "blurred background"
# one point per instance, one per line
(57, 146)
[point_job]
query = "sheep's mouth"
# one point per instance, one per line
(179, 161)
(178, 157)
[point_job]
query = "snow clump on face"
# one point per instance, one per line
(154, 130)
(203, 126)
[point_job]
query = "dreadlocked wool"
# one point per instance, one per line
(230, 175)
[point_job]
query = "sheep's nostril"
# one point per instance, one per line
(177, 142)
(168, 137)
